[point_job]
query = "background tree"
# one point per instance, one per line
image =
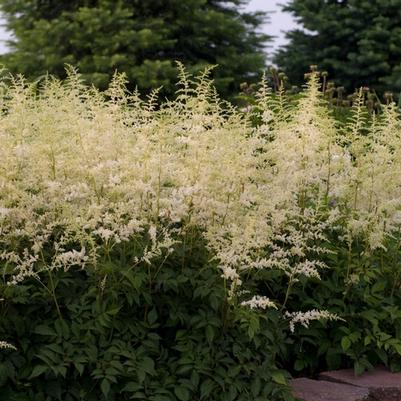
(357, 41)
(140, 38)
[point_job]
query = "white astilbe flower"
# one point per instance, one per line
(24, 266)
(71, 258)
(6, 345)
(304, 318)
(308, 268)
(259, 302)
(4, 212)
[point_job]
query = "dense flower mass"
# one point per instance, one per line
(82, 172)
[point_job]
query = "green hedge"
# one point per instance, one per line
(146, 334)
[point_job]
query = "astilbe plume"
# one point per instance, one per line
(374, 191)
(82, 171)
(328, 179)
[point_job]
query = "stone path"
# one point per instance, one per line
(343, 385)
(321, 390)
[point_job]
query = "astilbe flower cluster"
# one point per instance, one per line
(82, 171)
(5, 345)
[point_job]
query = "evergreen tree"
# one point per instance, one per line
(142, 38)
(357, 41)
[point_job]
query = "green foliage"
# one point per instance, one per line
(140, 333)
(365, 290)
(140, 38)
(356, 41)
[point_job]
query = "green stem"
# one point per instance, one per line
(287, 293)
(349, 260)
(397, 274)
(53, 292)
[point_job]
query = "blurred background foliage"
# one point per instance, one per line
(139, 38)
(358, 42)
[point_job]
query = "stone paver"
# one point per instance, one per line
(314, 390)
(382, 384)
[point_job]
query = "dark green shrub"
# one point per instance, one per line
(139, 333)
(365, 290)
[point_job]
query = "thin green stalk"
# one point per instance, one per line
(287, 293)
(53, 292)
(349, 257)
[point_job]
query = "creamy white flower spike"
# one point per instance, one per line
(304, 318)
(259, 302)
(6, 345)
